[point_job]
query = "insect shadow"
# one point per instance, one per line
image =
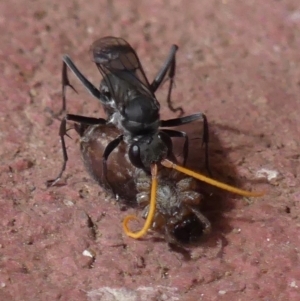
(216, 203)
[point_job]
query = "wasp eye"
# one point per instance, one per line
(135, 156)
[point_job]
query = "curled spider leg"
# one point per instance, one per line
(151, 212)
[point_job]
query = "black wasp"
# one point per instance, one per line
(130, 104)
(132, 108)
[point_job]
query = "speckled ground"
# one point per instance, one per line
(239, 62)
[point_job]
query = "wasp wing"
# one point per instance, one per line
(114, 56)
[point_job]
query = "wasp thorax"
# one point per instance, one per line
(142, 110)
(141, 115)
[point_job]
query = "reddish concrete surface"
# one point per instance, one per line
(239, 62)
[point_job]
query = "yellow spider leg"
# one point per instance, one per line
(151, 212)
(170, 164)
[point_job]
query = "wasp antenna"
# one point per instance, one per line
(151, 212)
(196, 175)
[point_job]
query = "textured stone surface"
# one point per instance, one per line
(239, 63)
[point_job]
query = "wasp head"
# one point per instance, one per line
(148, 149)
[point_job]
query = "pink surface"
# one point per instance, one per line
(239, 63)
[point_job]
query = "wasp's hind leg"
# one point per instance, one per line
(205, 135)
(67, 62)
(63, 132)
(170, 67)
(180, 134)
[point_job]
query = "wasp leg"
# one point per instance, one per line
(109, 148)
(180, 134)
(63, 133)
(164, 69)
(85, 120)
(188, 119)
(169, 65)
(67, 62)
(65, 83)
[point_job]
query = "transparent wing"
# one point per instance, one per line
(115, 56)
